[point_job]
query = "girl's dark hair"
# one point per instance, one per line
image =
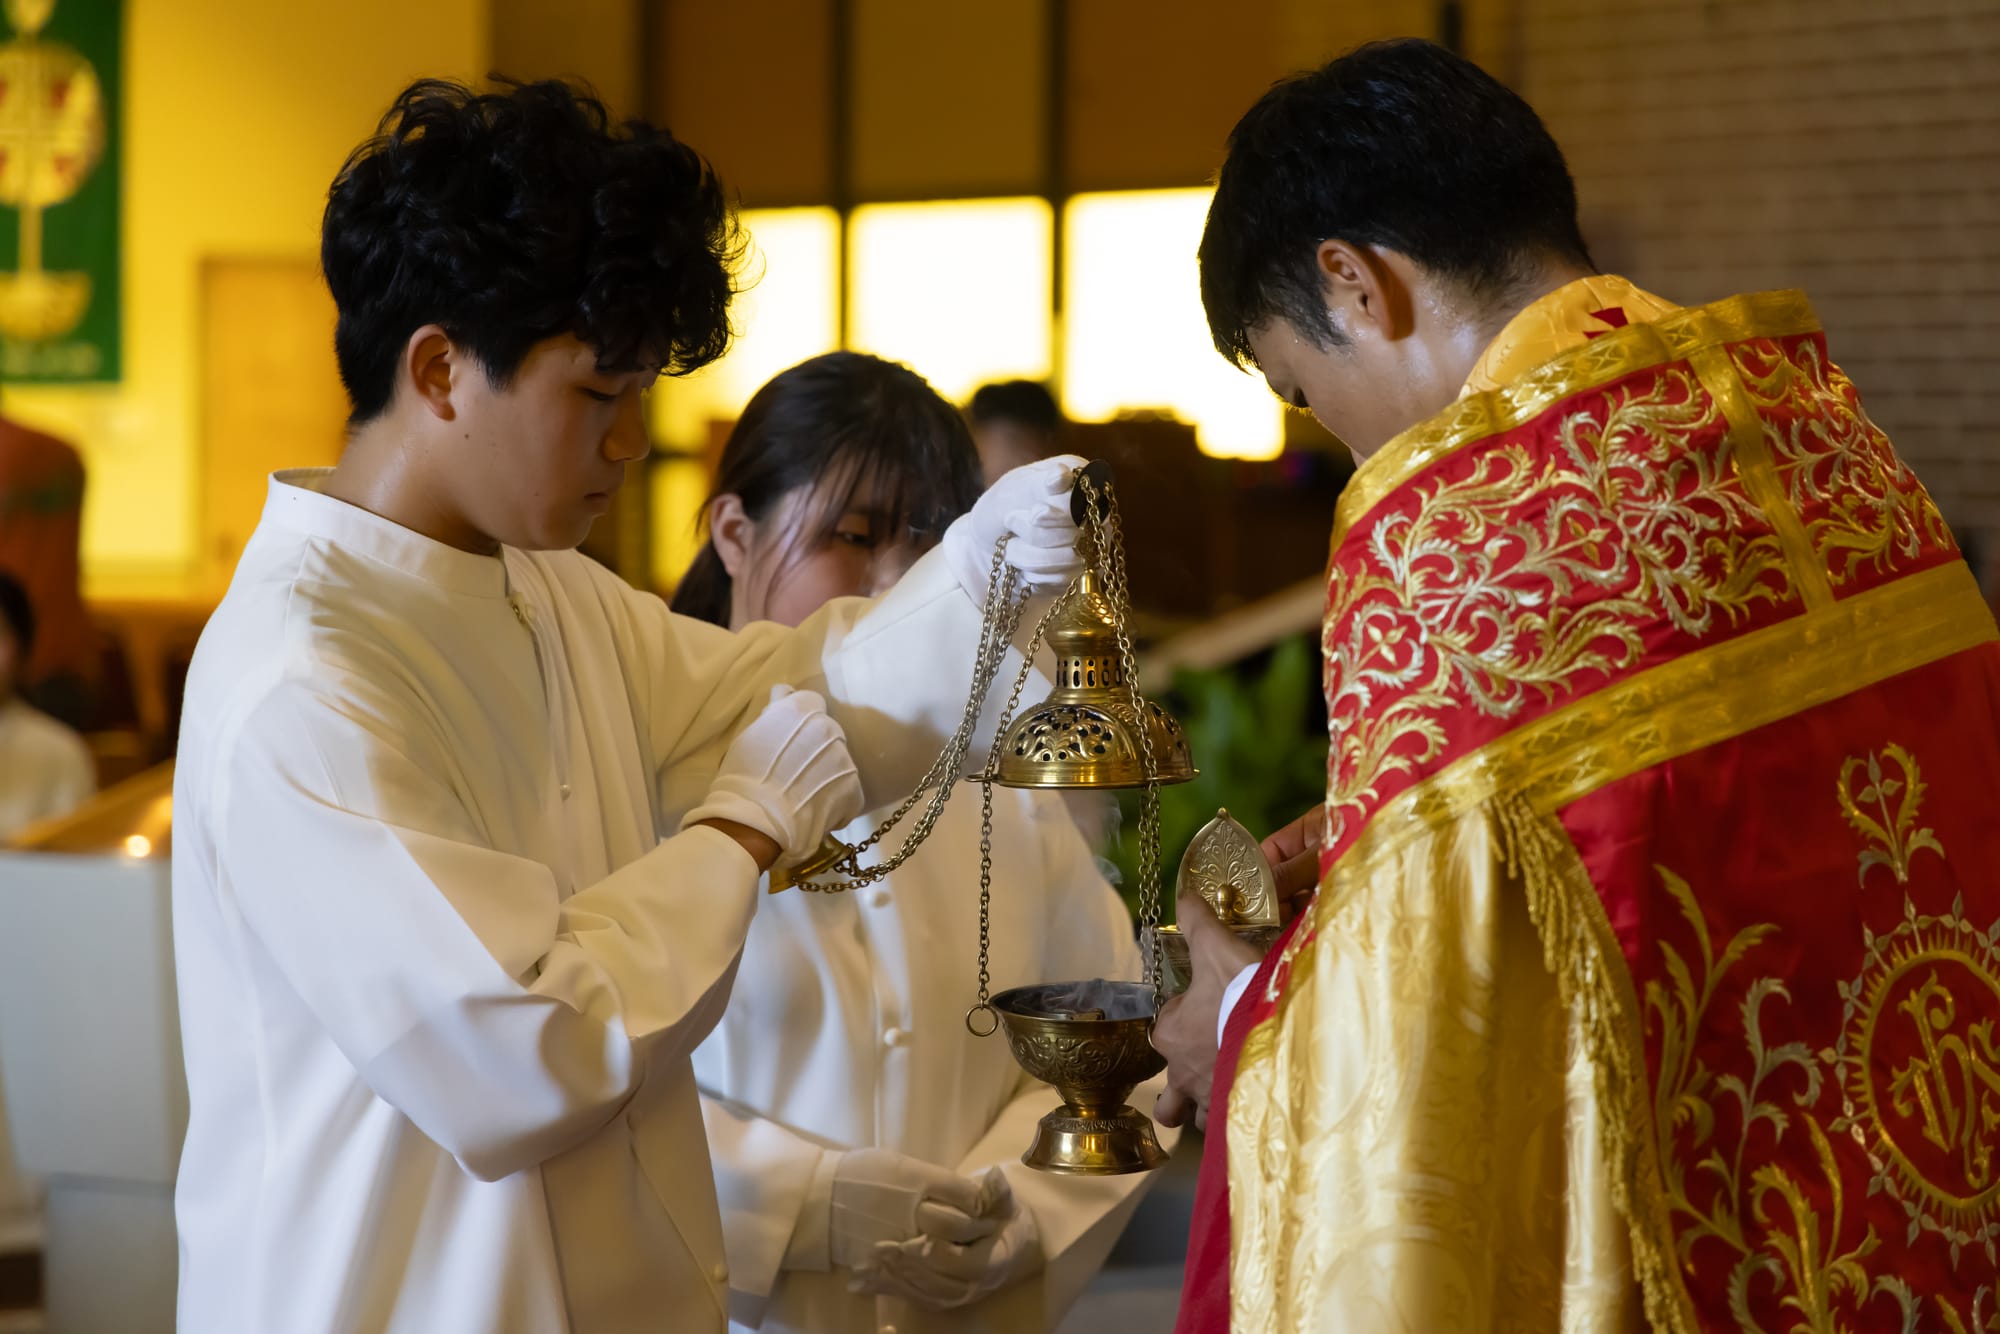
(17, 613)
(513, 216)
(839, 422)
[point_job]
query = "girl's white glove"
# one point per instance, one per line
(942, 1273)
(882, 1198)
(1031, 503)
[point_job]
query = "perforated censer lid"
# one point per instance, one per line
(1085, 735)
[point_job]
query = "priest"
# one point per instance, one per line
(468, 832)
(1653, 976)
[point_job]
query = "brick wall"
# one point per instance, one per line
(1848, 147)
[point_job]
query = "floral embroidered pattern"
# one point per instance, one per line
(1896, 836)
(1863, 508)
(1534, 571)
(1787, 1249)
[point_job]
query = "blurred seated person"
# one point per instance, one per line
(41, 509)
(866, 1146)
(1013, 422)
(45, 768)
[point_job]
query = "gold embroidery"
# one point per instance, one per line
(1931, 1129)
(1598, 362)
(1786, 1246)
(1688, 704)
(1982, 1318)
(1862, 507)
(1760, 475)
(1465, 607)
(1683, 1096)
(1898, 835)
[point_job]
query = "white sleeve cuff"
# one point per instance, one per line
(1230, 995)
(811, 1246)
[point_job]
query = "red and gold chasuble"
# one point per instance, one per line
(1654, 979)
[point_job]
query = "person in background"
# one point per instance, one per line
(1013, 422)
(45, 768)
(841, 1089)
(41, 511)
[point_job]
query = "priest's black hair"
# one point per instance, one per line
(1398, 144)
(510, 217)
(839, 423)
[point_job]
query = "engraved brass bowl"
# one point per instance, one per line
(1094, 1064)
(1177, 969)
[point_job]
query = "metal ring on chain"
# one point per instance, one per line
(993, 1021)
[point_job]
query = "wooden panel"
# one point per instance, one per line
(949, 99)
(593, 40)
(271, 395)
(749, 83)
(1154, 86)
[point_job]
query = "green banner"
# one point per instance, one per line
(59, 147)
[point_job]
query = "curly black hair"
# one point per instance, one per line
(1397, 144)
(511, 217)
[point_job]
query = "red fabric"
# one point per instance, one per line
(1380, 653)
(1520, 573)
(1863, 951)
(1205, 1279)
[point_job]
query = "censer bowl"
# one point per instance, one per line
(1091, 1041)
(1177, 969)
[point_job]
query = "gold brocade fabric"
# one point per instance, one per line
(1445, 1169)
(1443, 1117)
(1574, 313)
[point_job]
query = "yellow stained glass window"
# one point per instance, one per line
(789, 311)
(958, 290)
(1134, 337)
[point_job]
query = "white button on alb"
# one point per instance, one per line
(565, 791)
(878, 898)
(896, 1037)
(719, 1272)
(888, 1329)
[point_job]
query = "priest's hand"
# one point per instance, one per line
(1294, 856)
(1187, 1031)
(884, 1198)
(941, 1274)
(787, 777)
(1030, 505)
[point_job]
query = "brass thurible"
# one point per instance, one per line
(1090, 1040)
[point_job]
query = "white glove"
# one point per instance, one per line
(1032, 504)
(787, 774)
(941, 1274)
(881, 1198)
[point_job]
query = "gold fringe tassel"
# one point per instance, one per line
(1596, 987)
